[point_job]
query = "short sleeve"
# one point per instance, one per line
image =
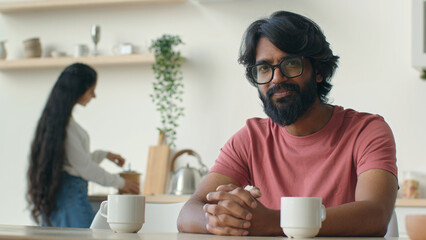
(375, 147)
(233, 158)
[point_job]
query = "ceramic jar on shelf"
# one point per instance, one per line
(32, 48)
(411, 185)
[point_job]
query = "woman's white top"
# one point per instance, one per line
(81, 163)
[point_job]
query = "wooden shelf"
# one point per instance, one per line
(160, 198)
(42, 5)
(34, 63)
(401, 202)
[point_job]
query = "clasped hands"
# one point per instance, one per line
(232, 210)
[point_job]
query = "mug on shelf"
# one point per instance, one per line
(81, 50)
(123, 49)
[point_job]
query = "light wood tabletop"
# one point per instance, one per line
(13, 232)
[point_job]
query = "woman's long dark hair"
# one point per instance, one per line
(47, 149)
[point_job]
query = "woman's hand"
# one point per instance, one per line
(116, 158)
(130, 186)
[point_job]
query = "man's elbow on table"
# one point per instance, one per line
(191, 217)
(383, 222)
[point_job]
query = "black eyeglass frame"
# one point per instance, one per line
(250, 73)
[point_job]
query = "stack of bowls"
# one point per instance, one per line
(32, 48)
(416, 226)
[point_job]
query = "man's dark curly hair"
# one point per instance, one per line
(296, 35)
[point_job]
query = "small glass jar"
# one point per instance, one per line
(410, 186)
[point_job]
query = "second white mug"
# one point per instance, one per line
(123, 49)
(81, 50)
(124, 213)
(301, 217)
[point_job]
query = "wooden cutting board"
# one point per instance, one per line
(156, 171)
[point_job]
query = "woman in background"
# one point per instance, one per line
(60, 159)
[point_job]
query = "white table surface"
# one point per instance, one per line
(37, 233)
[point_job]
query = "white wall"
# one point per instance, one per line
(373, 39)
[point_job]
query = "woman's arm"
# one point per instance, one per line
(80, 162)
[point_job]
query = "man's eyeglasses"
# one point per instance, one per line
(262, 73)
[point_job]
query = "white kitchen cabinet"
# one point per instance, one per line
(418, 56)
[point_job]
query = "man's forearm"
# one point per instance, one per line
(191, 219)
(361, 218)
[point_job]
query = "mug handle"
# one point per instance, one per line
(323, 215)
(103, 210)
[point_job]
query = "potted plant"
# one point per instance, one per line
(168, 86)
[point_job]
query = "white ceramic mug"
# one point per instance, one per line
(301, 217)
(123, 49)
(124, 213)
(81, 50)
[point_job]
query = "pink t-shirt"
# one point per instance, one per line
(325, 164)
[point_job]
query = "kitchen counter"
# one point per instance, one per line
(44, 233)
(400, 202)
(166, 198)
(160, 198)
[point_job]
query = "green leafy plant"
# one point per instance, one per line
(423, 76)
(168, 87)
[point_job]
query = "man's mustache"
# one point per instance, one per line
(282, 86)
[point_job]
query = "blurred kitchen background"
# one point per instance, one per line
(375, 74)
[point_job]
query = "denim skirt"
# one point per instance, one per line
(73, 208)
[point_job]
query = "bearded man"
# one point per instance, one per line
(306, 147)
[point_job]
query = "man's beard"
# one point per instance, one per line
(289, 108)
